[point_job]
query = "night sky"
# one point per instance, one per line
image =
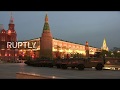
(73, 26)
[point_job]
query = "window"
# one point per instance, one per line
(3, 38)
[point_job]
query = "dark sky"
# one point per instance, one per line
(74, 26)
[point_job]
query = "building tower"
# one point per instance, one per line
(46, 41)
(104, 45)
(12, 37)
(11, 31)
(8, 54)
(87, 49)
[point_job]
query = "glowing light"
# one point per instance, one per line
(61, 50)
(69, 51)
(107, 68)
(54, 49)
(32, 56)
(53, 77)
(118, 51)
(6, 54)
(2, 49)
(9, 32)
(108, 62)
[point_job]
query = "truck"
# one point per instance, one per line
(81, 63)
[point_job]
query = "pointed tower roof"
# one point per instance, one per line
(46, 18)
(46, 24)
(104, 42)
(104, 45)
(11, 19)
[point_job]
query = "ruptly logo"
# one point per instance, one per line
(29, 45)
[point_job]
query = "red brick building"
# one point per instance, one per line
(10, 35)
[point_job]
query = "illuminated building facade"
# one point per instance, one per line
(10, 35)
(47, 46)
(60, 48)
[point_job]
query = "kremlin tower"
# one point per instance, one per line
(104, 46)
(87, 49)
(46, 41)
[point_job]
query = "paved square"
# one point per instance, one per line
(9, 70)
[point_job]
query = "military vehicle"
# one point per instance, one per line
(81, 63)
(40, 63)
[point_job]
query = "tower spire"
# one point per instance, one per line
(46, 18)
(104, 45)
(46, 24)
(11, 19)
(11, 13)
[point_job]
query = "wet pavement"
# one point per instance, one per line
(9, 70)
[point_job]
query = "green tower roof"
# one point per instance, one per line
(46, 24)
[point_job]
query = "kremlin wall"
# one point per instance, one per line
(46, 45)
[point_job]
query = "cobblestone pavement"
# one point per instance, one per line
(9, 70)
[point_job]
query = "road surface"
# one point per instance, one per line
(9, 70)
